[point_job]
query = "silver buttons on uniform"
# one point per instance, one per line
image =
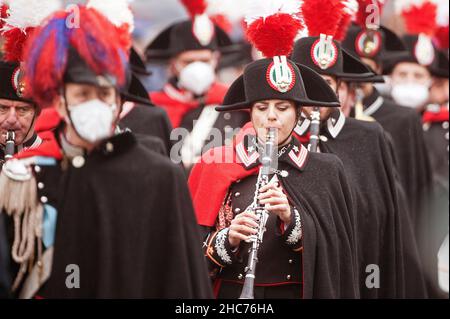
(291, 261)
(44, 199)
(109, 147)
(446, 136)
(78, 161)
(288, 277)
(237, 194)
(237, 210)
(37, 169)
(445, 125)
(227, 116)
(40, 185)
(240, 276)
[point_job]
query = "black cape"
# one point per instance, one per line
(411, 154)
(384, 228)
(329, 247)
(436, 139)
(321, 192)
(153, 143)
(149, 120)
(435, 224)
(126, 219)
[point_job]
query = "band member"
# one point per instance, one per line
(192, 50)
(436, 120)
(17, 120)
(308, 248)
(364, 149)
(18, 114)
(138, 115)
(96, 205)
(376, 48)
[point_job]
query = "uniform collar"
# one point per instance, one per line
(333, 126)
(33, 142)
(176, 94)
(294, 154)
(372, 103)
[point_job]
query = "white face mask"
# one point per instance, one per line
(93, 120)
(412, 95)
(197, 77)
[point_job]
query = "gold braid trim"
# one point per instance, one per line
(19, 200)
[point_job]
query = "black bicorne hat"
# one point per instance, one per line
(137, 65)
(420, 50)
(180, 37)
(380, 45)
(136, 92)
(441, 68)
(241, 57)
(278, 78)
(12, 86)
(328, 58)
(78, 71)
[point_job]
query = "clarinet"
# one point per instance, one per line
(10, 144)
(314, 130)
(261, 212)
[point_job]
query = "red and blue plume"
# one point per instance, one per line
(46, 54)
(272, 26)
(322, 16)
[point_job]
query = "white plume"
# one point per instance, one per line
(118, 12)
(29, 13)
(351, 7)
(442, 18)
(234, 10)
(265, 8)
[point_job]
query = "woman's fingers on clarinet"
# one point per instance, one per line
(271, 193)
(247, 214)
(245, 221)
(243, 229)
(274, 201)
(235, 238)
(278, 208)
(271, 185)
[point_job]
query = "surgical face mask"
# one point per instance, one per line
(93, 120)
(196, 77)
(412, 95)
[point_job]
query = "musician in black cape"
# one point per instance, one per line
(139, 114)
(116, 211)
(432, 67)
(17, 113)
(308, 249)
(384, 230)
(192, 50)
(376, 48)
